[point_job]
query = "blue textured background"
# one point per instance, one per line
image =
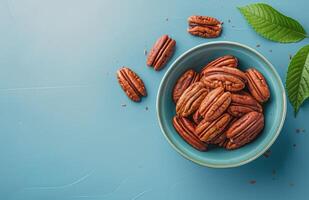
(64, 133)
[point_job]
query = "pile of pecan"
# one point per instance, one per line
(221, 105)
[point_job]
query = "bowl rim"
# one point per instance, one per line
(258, 153)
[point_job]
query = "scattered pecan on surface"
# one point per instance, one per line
(204, 26)
(131, 84)
(161, 52)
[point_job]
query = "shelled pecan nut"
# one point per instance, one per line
(257, 85)
(191, 99)
(223, 61)
(161, 52)
(185, 80)
(214, 104)
(232, 79)
(243, 103)
(245, 129)
(131, 84)
(208, 131)
(186, 129)
(204, 26)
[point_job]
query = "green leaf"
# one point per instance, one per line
(271, 24)
(297, 80)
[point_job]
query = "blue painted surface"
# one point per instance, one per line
(64, 134)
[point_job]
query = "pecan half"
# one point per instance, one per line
(257, 85)
(232, 79)
(223, 61)
(131, 84)
(214, 104)
(204, 26)
(243, 103)
(208, 131)
(161, 52)
(245, 129)
(185, 129)
(185, 80)
(191, 99)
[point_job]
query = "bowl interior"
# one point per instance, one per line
(274, 109)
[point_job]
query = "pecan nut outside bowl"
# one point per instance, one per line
(274, 109)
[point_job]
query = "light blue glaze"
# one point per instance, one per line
(64, 134)
(274, 110)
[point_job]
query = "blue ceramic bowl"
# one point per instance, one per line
(274, 110)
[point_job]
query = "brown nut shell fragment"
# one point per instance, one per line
(209, 131)
(185, 129)
(245, 129)
(131, 84)
(161, 52)
(223, 61)
(204, 26)
(243, 103)
(185, 80)
(257, 85)
(232, 79)
(214, 104)
(191, 99)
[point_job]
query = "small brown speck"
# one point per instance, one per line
(290, 56)
(291, 184)
(270, 50)
(274, 172)
(252, 182)
(267, 154)
(145, 52)
(297, 130)
(233, 26)
(258, 45)
(229, 21)
(166, 19)
(294, 145)
(146, 108)
(123, 105)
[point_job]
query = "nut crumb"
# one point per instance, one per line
(297, 130)
(146, 108)
(229, 21)
(166, 19)
(267, 154)
(145, 52)
(294, 145)
(252, 182)
(274, 172)
(258, 45)
(124, 105)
